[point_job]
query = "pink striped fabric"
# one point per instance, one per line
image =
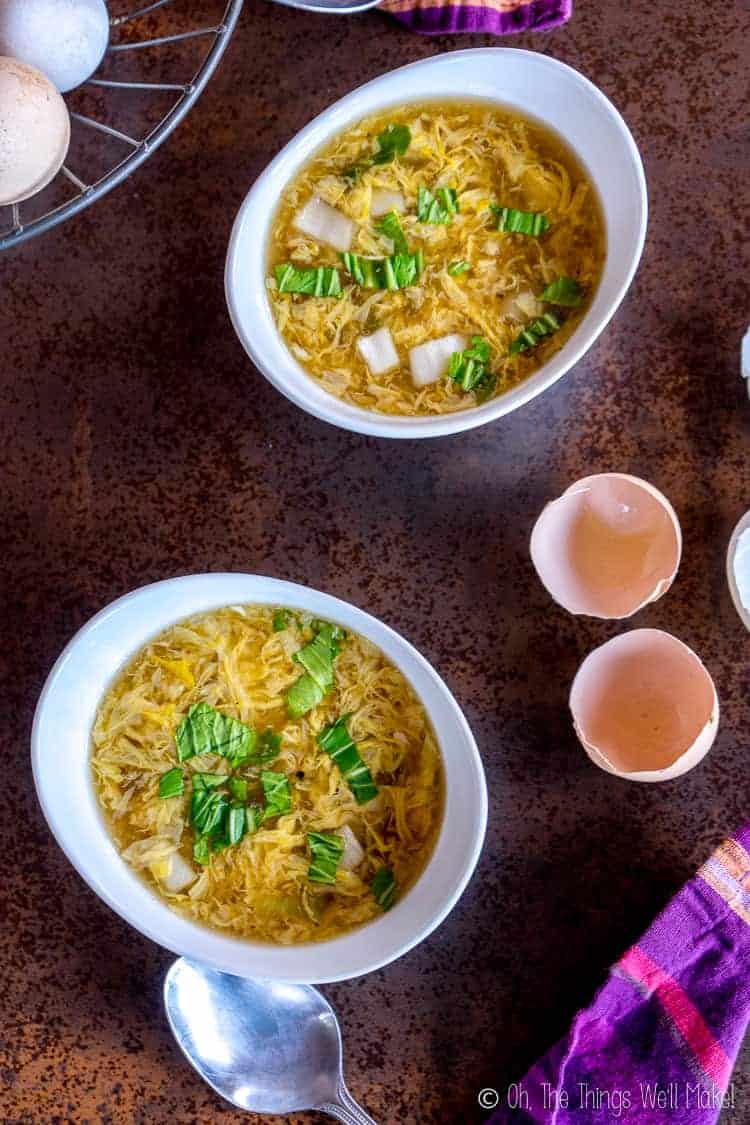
(657, 1043)
(681, 1012)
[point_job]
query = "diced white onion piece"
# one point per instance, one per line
(353, 852)
(384, 201)
(325, 224)
(430, 361)
(378, 351)
(520, 306)
(181, 874)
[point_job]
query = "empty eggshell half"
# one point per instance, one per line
(608, 546)
(738, 569)
(644, 706)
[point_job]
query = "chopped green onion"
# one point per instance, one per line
(207, 811)
(563, 291)
(277, 793)
(171, 783)
(469, 368)
(269, 747)
(337, 743)
(458, 267)
(392, 142)
(302, 696)
(236, 823)
(281, 620)
(327, 849)
(397, 272)
(207, 731)
(390, 226)
(201, 852)
(317, 659)
(320, 281)
(253, 817)
(486, 389)
(330, 633)
(238, 788)
(208, 780)
(546, 324)
(520, 222)
(438, 208)
(384, 887)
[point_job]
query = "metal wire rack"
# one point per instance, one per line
(151, 49)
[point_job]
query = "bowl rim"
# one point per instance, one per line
(359, 420)
(230, 953)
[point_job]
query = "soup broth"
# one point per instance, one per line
(268, 775)
(464, 226)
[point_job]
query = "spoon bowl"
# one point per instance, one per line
(338, 7)
(264, 1046)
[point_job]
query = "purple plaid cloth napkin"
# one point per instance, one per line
(495, 17)
(658, 1043)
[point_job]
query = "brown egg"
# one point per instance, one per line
(34, 131)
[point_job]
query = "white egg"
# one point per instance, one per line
(34, 131)
(65, 39)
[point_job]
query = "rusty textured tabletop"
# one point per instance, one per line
(139, 443)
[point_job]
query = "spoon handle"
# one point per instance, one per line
(346, 1109)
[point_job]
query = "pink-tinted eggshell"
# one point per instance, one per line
(644, 706)
(608, 546)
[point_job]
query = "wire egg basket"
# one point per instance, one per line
(159, 59)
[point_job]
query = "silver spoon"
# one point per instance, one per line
(264, 1046)
(340, 7)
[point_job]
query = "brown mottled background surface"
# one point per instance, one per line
(139, 443)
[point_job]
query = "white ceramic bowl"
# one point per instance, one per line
(60, 747)
(538, 86)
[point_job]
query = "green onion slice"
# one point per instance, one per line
(277, 793)
(205, 730)
(236, 823)
(281, 619)
(171, 783)
(302, 696)
(238, 788)
(327, 849)
(317, 659)
(397, 272)
(337, 743)
(546, 324)
(458, 267)
(207, 811)
(520, 222)
(320, 281)
(253, 817)
(209, 780)
(390, 226)
(437, 208)
(469, 368)
(269, 747)
(392, 142)
(563, 291)
(201, 853)
(384, 887)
